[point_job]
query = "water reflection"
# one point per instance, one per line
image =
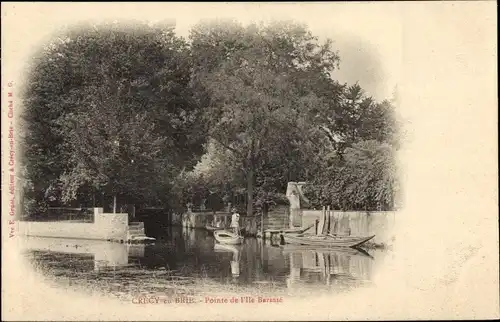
(235, 261)
(327, 267)
(193, 257)
(104, 254)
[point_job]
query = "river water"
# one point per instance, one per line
(190, 263)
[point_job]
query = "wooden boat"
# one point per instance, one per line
(297, 230)
(288, 230)
(227, 237)
(212, 229)
(325, 240)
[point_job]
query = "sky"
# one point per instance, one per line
(367, 36)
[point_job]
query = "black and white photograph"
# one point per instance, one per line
(249, 161)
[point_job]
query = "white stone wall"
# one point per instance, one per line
(361, 223)
(111, 226)
(105, 226)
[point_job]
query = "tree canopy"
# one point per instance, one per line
(109, 107)
(233, 111)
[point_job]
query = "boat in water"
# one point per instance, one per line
(325, 240)
(227, 237)
(297, 230)
(212, 229)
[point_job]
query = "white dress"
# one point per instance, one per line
(235, 220)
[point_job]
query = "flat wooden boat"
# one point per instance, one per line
(325, 240)
(297, 230)
(227, 237)
(289, 230)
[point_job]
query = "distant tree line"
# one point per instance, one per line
(139, 115)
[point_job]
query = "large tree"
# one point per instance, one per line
(277, 115)
(352, 116)
(261, 81)
(110, 107)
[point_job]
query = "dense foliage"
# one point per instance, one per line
(127, 113)
(108, 111)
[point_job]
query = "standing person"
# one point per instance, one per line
(235, 221)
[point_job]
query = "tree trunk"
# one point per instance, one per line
(250, 179)
(114, 203)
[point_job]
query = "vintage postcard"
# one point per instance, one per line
(249, 161)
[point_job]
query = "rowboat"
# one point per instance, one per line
(227, 237)
(325, 240)
(212, 229)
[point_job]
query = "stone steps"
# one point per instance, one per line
(136, 233)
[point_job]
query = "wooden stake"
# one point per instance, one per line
(325, 223)
(328, 219)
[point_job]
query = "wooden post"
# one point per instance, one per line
(328, 219)
(114, 203)
(324, 231)
(336, 226)
(331, 216)
(321, 225)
